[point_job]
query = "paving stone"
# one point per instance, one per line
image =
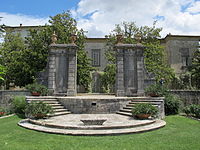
(115, 124)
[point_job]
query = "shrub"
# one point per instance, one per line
(187, 110)
(156, 90)
(192, 110)
(2, 111)
(38, 110)
(37, 88)
(5, 111)
(144, 108)
(19, 104)
(108, 78)
(172, 104)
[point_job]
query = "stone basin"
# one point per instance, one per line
(93, 121)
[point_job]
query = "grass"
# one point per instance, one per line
(180, 133)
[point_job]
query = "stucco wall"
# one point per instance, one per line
(173, 46)
(97, 44)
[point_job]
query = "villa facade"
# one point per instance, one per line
(179, 48)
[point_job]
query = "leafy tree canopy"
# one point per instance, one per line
(25, 58)
(195, 69)
(155, 59)
(12, 58)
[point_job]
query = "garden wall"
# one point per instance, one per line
(93, 105)
(6, 96)
(188, 96)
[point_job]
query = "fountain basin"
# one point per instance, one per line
(89, 122)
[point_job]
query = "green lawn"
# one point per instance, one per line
(180, 133)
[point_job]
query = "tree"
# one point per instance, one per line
(12, 59)
(1, 31)
(1, 28)
(195, 69)
(154, 52)
(29, 56)
(108, 78)
(2, 74)
(2, 68)
(63, 25)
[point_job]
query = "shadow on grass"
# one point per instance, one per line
(22, 116)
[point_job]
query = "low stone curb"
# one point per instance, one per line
(7, 116)
(89, 127)
(158, 124)
(192, 118)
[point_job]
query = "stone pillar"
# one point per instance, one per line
(72, 70)
(140, 69)
(51, 72)
(62, 69)
(120, 91)
(130, 69)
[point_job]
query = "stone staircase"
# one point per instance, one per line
(58, 108)
(156, 101)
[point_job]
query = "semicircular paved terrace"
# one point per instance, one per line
(71, 124)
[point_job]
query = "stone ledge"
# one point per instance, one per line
(158, 124)
(94, 127)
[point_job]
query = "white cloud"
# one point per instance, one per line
(17, 19)
(195, 7)
(98, 17)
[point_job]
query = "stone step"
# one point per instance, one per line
(132, 105)
(47, 102)
(60, 110)
(142, 102)
(58, 107)
(59, 113)
(41, 99)
(146, 99)
(52, 101)
(156, 125)
(89, 127)
(126, 110)
(58, 104)
(124, 113)
(130, 108)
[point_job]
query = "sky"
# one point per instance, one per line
(99, 17)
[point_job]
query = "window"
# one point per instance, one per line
(96, 55)
(185, 61)
(185, 56)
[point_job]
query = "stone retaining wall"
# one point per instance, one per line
(188, 96)
(93, 106)
(7, 95)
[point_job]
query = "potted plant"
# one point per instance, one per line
(2, 112)
(38, 110)
(144, 110)
(156, 90)
(37, 89)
